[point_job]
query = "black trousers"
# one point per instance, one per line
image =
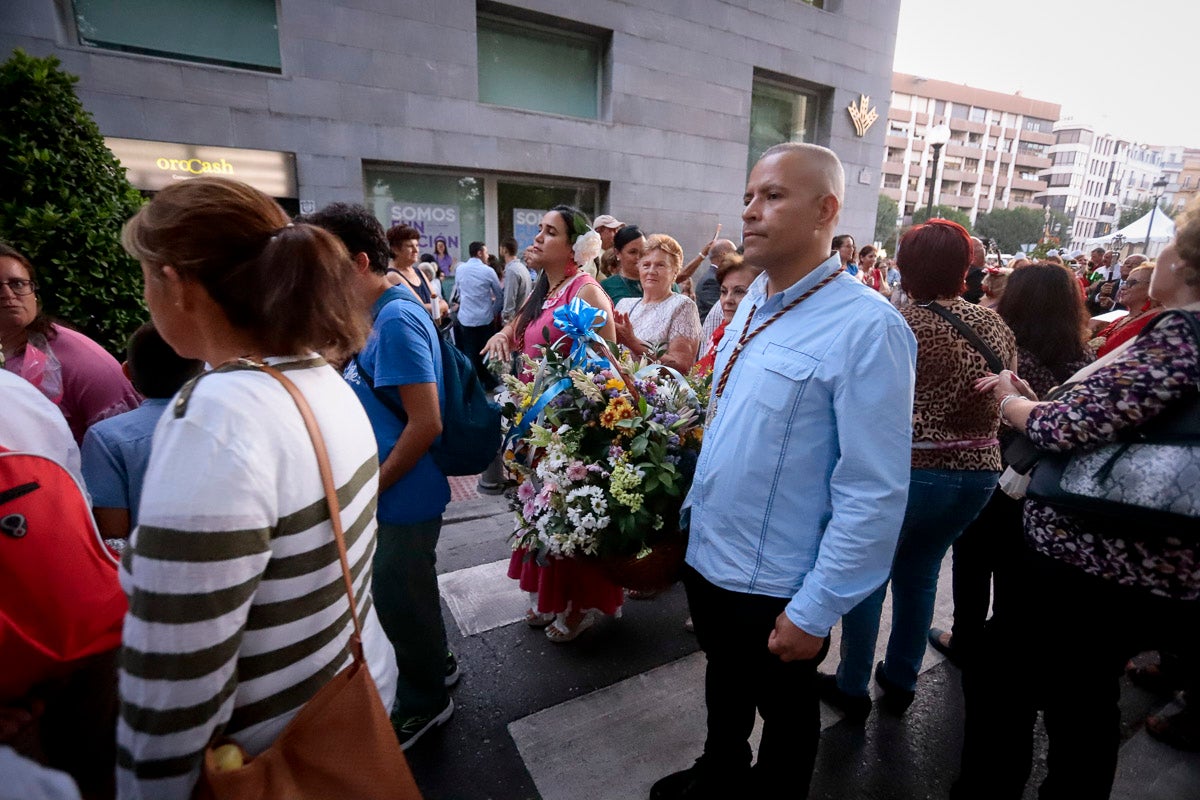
(742, 676)
(982, 554)
(1059, 641)
(471, 340)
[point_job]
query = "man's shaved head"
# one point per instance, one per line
(823, 166)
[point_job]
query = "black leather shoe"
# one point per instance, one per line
(855, 708)
(894, 699)
(702, 782)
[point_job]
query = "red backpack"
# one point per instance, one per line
(60, 598)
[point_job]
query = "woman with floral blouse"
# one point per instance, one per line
(1089, 593)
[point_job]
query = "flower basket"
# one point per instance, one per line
(653, 569)
(603, 449)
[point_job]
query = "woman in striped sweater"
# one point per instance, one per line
(237, 611)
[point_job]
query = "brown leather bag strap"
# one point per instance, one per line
(331, 498)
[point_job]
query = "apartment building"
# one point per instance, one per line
(999, 143)
(1095, 176)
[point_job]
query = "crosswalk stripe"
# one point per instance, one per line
(483, 597)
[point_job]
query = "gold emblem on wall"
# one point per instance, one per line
(863, 115)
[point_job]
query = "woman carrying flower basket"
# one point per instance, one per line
(566, 594)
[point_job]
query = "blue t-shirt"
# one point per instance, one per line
(402, 349)
(115, 454)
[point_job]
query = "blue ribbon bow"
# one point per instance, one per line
(579, 322)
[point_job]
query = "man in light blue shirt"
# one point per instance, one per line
(801, 485)
(480, 300)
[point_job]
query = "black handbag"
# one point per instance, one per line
(1149, 477)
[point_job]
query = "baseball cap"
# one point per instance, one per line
(1074, 254)
(607, 221)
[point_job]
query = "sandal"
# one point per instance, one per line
(536, 619)
(561, 633)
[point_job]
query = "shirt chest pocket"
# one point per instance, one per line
(780, 376)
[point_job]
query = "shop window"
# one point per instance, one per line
(439, 205)
(539, 64)
(779, 113)
(236, 33)
(465, 207)
(520, 206)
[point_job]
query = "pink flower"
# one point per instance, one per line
(528, 511)
(577, 471)
(525, 492)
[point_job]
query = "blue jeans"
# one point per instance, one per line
(941, 503)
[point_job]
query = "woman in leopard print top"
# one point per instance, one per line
(955, 465)
(1086, 594)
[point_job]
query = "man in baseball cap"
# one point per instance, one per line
(607, 226)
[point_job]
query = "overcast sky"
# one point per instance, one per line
(1121, 66)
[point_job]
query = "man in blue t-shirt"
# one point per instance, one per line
(398, 379)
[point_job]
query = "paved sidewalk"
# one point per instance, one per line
(601, 718)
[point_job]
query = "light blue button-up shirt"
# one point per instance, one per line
(480, 296)
(802, 481)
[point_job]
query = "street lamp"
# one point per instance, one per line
(936, 137)
(1159, 187)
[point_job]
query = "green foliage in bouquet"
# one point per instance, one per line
(603, 470)
(63, 200)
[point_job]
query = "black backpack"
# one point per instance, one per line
(470, 436)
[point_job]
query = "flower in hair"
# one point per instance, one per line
(588, 247)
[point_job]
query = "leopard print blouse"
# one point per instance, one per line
(1161, 367)
(946, 408)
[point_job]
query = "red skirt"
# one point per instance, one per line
(565, 581)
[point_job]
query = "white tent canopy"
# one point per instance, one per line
(1135, 232)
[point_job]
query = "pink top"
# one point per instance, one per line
(93, 385)
(564, 295)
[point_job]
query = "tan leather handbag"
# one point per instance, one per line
(341, 743)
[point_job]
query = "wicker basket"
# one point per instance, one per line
(655, 571)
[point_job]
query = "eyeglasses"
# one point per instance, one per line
(20, 287)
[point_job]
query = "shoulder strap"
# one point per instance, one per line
(331, 499)
(989, 355)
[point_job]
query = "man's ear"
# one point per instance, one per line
(830, 208)
(362, 263)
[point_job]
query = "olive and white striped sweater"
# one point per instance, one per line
(237, 608)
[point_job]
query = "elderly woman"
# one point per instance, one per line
(1134, 294)
(955, 465)
(660, 321)
(566, 595)
(74, 372)
(1090, 591)
(238, 614)
(628, 244)
(734, 278)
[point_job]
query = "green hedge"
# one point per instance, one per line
(63, 199)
